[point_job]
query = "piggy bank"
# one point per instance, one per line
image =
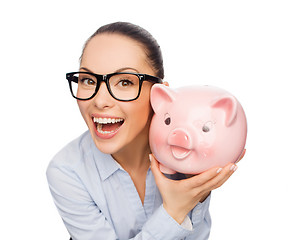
(195, 128)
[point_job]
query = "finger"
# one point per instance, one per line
(220, 179)
(158, 175)
(203, 178)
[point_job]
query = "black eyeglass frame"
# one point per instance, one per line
(105, 78)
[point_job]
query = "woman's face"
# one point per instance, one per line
(128, 122)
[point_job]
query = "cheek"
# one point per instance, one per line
(141, 114)
(83, 106)
(206, 151)
(141, 108)
(207, 145)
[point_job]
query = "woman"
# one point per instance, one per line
(103, 183)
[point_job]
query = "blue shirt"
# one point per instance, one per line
(97, 199)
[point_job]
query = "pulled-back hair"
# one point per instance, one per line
(139, 34)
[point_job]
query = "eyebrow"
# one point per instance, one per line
(118, 70)
(86, 69)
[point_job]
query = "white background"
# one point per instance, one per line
(240, 46)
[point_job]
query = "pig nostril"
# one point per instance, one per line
(180, 138)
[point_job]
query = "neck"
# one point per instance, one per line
(134, 158)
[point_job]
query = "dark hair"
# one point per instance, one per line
(140, 35)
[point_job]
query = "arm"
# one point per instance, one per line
(79, 213)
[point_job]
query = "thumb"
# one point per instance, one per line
(158, 175)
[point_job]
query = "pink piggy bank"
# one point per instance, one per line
(195, 128)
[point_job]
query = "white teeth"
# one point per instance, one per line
(101, 121)
(107, 120)
(99, 129)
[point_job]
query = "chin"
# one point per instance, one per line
(105, 146)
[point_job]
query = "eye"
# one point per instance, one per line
(125, 83)
(207, 127)
(124, 80)
(88, 81)
(167, 119)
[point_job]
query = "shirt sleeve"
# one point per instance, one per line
(162, 226)
(81, 216)
(200, 213)
(196, 225)
(201, 220)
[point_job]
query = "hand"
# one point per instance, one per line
(180, 197)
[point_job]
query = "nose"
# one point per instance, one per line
(103, 99)
(181, 138)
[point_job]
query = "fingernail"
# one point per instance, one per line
(233, 168)
(219, 170)
(150, 157)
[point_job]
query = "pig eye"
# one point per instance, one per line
(167, 119)
(207, 127)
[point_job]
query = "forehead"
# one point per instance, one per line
(106, 53)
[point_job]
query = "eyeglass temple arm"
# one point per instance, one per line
(72, 78)
(153, 79)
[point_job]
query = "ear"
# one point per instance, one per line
(229, 105)
(161, 95)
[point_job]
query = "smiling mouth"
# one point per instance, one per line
(179, 152)
(107, 125)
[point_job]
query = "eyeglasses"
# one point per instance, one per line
(123, 86)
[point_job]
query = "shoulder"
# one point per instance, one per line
(80, 161)
(78, 170)
(72, 155)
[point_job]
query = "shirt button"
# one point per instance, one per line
(197, 212)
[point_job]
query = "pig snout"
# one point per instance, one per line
(180, 142)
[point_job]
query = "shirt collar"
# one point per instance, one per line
(105, 163)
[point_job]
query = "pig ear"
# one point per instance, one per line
(229, 105)
(161, 95)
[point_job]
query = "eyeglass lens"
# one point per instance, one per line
(122, 86)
